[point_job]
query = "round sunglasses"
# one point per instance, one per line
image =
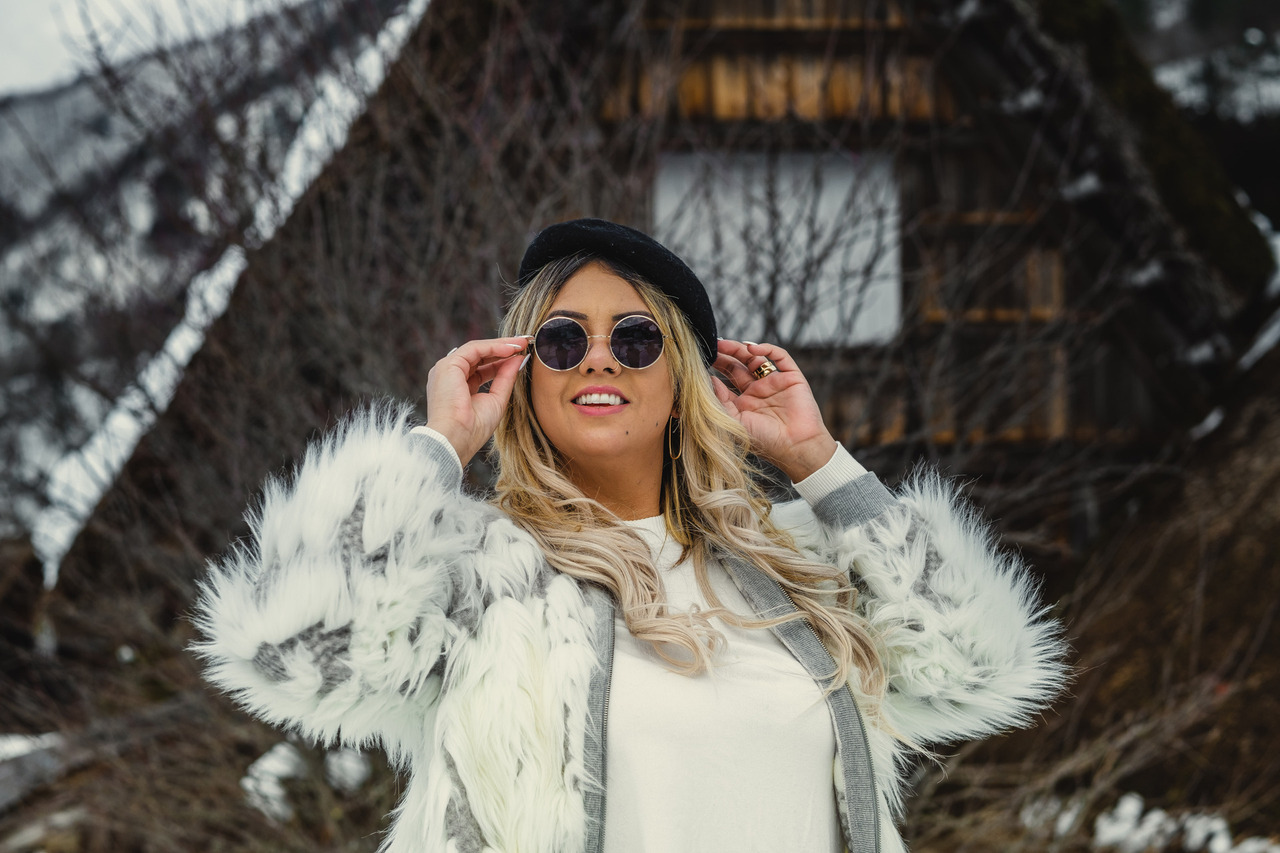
(561, 343)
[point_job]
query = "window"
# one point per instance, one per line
(795, 248)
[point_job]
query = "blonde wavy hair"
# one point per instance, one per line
(710, 501)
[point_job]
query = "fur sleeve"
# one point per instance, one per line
(967, 648)
(336, 617)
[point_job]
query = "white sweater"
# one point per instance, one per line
(735, 760)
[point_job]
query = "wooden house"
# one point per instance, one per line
(985, 237)
(977, 255)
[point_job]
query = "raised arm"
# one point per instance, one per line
(967, 648)
(362, 571)
(333, 617)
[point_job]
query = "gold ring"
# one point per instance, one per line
(765, 369)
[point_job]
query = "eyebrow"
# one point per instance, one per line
(577, 315)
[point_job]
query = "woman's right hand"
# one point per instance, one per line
(456, 407)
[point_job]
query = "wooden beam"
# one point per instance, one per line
(822, 15)
(980, 218)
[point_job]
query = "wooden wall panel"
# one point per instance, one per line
(810, 77)
(770, 87)
(730, 82)
(908, 88)
(917, 95)
(693, 97)
(617, 100)
(1045, 296)
(847, 94)
(855, 419)
(1057, 414)
(821, 15)
(655, 85)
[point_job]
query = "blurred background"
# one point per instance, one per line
(1030, 242)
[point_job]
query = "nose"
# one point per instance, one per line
(599, 356)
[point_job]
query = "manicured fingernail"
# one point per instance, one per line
(517, 346)
(523, 362)
(751, 343)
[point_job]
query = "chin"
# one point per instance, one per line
(609, 451)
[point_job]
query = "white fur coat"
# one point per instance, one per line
(376, 604)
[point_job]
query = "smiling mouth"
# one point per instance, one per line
(598, 400)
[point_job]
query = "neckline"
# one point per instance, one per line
(654, 524)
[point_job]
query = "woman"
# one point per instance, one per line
(627, 649)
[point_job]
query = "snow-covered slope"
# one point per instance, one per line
(1240, 82)
(117, 190)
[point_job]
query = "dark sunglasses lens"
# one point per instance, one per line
(560, 343)
(636, 342)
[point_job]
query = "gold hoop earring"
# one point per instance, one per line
(674, 426)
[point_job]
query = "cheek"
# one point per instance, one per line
(538, 399)
(545, 391)
(664, 402)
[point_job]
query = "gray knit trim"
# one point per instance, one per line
(594, 757)
(859, 812)
(854, 503)
(449, 472)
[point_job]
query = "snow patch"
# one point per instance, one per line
(139, 207)
(346, 770)
(31, 835)
(1263, 224)
(80, 479)
(1069, 817)
(16, 746)
(263, 783)
(968, 9)
(1145, 275)
(1265, 341)
(1239, 82)
(1206, 832)
(1212, 421)
(1129, 829)
(1166, 14)
(1082, 187)
(1205, 352)
(1025, 101)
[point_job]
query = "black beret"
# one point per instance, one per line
(633, 249)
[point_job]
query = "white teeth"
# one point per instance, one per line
(598, 400)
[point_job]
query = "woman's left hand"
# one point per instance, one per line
(777, 410)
